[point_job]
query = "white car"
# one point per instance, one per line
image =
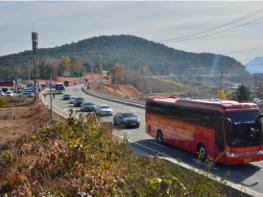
(72, 100)
(258, 101)
(9, 93)
(104, 110)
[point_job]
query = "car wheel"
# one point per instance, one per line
(159, 137)
(114, 122)
(201, 152)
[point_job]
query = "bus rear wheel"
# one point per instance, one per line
(201, 152)
(159, 137)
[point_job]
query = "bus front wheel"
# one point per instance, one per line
(159, 137)
(201, 152)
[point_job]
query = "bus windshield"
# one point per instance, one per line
(243, 129)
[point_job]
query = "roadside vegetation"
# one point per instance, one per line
(77, 159)
(11, 101)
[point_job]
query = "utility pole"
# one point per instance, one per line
(101, 74)
(50, 94)
(221, 77)
(84, 74)
(29, 65)
(92, 78)
(142, 71)
(128, 72)
(35, 70)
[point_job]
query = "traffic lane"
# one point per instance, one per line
(133, 133)
(249, 175)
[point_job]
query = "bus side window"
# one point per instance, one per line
(219, 135)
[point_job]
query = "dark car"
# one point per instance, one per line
(126, 119)
(66, 83)
(78, 101)
(27, 94)
(66, 97)
(87, 107)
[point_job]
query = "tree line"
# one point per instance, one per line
(65, 66)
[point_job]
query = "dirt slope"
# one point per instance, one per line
(18, 121)
(121, 90)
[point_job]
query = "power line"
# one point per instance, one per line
(206, 33)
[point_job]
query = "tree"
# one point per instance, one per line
(45, 69)
(69, 65)
(63, 65)
(242, 94)
(146, 72)
(75, 66)
(118, 73)
(222, 95)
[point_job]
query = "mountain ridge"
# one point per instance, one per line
(133, 51)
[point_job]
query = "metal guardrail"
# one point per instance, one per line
(131, 102)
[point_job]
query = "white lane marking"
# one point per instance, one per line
(127, 131)
(134, 142)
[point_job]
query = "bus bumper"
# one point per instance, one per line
(235, 159)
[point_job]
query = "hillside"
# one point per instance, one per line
(255, 65)
(131, 51)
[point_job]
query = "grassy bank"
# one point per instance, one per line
(77, 159)
(14, 101)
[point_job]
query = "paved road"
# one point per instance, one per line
(249, 175)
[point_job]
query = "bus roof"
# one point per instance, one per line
(212, 104)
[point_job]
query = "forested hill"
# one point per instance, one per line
(133, 52)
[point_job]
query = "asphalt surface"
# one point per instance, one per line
(248, 175)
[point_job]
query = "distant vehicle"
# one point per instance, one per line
(258, 101)
(4, 90)
(66, 97)
(27, 94)
(66, 83)
(104, 110)
(30, 87)
(227, 131)
(78, 101)
(87, 107)
(72, 100)
(59, 87)
(124, 120)
(9, 93)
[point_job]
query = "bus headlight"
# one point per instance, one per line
(229, 154)
(260, 152)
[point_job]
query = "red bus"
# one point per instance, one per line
(227, 131)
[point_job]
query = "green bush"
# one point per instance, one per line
(4, 101)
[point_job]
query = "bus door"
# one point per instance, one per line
(219, 136)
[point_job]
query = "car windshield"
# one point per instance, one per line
(127, 115)
(80, 99)
(243, 129)
(104, 107)
(88, 104)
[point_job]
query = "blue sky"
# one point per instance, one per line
(59, 23)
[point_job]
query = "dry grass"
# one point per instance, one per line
(18, 121)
